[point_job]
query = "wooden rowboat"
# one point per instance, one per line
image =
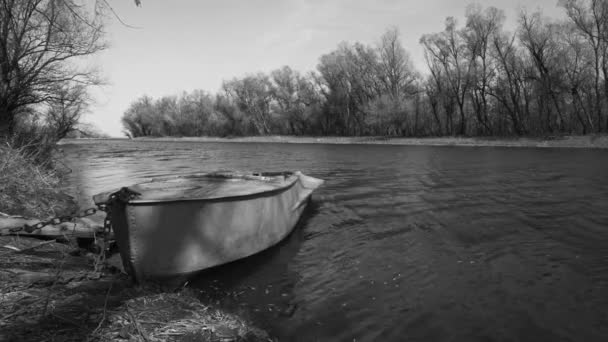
(176, 226)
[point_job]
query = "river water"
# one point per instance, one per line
(405, 243)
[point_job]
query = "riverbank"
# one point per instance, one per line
(585, 141)
(63, 288)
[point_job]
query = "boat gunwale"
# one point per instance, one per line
(265, 193)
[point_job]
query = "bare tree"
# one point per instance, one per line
(39, 42)
(538, 36)
(396, 69)
(349, 76)
(577, 58)
(448, 50)
(433, 95)
(591, 18)
(294, 99)
(140, 118)
(196, 113)
(66, 109)
(252, 94)
(481, 27)
(509, 89)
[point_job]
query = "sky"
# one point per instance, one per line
(183, 45)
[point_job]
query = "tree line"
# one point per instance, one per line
(547, 77)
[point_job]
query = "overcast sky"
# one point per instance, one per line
(183, 45)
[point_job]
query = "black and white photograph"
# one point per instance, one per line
(304, 170)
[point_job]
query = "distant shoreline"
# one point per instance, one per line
(584, 141)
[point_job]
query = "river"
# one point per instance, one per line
(405, 243)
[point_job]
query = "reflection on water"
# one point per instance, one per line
(406, 243)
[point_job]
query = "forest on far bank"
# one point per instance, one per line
(547, 77)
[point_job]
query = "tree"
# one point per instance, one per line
(481, 27)
(236, 122)
(447, 50)
(390, 111)
(577, 58)
(350, 77)
(66, 109)
(294, 99)
(337, 90)
(139, 119)
(510, 87)
(195, 113)
(591, 19)
(39, 42)
(538, 37)
(396, 72)
(252, 95)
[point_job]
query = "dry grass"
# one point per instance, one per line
(39, 290)
(176, 317)
(50, 293)
(29, 185)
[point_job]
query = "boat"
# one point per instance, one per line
(180, 225)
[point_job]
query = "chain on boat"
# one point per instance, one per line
(123, 195)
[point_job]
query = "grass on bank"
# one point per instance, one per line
(176, 317)
(30, 185)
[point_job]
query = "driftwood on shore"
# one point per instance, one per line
(79, 228)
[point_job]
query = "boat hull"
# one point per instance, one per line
(164, 239)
